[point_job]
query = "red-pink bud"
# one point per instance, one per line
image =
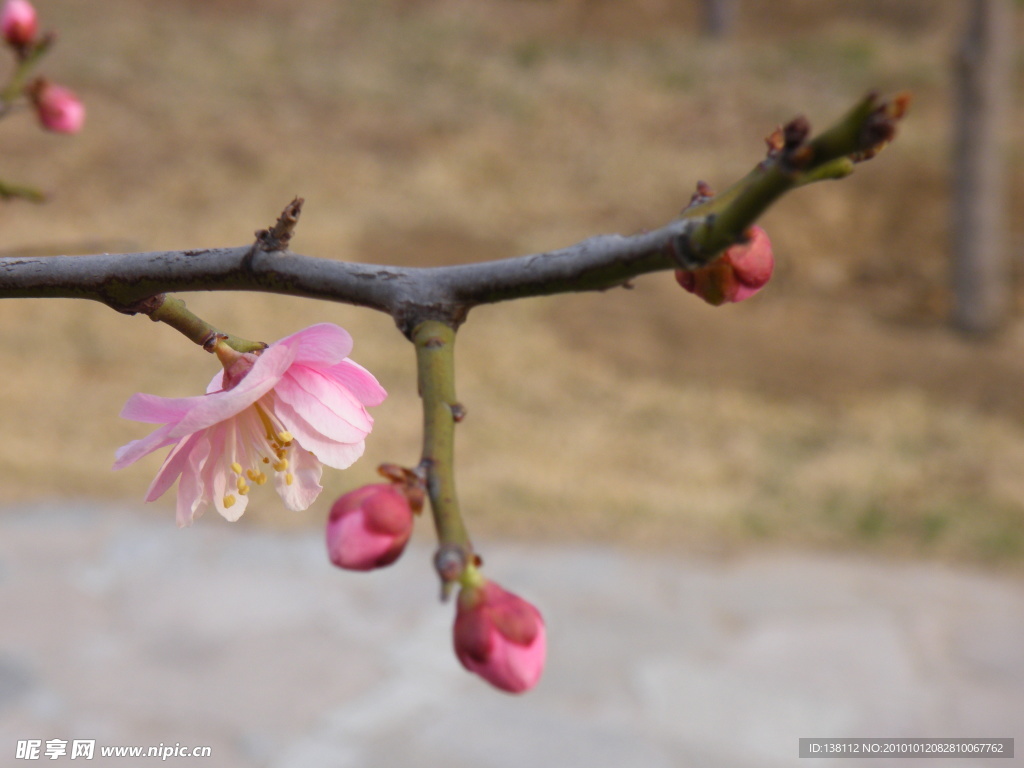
(369, 527)
(738, 274)
(58, 108)
(500, 637)
(18, 23)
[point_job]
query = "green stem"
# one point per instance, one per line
(10, 191)
(173, 312)
(435, 359)
(16, 84)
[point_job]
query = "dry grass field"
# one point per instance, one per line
(836, 410)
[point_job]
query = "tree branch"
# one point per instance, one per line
(414, 295)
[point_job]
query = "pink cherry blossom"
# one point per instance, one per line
(737, 274)
(281, 413)
(500, 637)
(58, 109)
(18, 23)
(369, 527)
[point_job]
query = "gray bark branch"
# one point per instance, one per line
(710, 224)
(408, 294)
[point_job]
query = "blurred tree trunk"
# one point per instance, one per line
(718, 18)
(983, 66)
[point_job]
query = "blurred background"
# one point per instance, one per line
(837, 410)
(799, 516)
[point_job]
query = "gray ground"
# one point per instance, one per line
(120, 628)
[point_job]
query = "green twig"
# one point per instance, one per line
(173, 312)
(16, 85)
(10, 191)
(792, 162)
(435, 359)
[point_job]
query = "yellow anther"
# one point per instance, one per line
(285, 437)
(252, 474)
(242, 486)
(229, 501)
(236, 467)
(266, 460)
(289, 478)
(281, 466)
(260, 479)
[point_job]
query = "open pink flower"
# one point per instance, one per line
(18, 23)
(737, 274)
(500, 637)
(283, 412)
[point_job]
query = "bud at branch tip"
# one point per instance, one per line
(19, 23)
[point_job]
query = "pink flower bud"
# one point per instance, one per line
(58, 108)
(18, 23)
(737, 274)
(369, 527)
(500, 637)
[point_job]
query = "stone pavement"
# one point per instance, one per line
(120, 628)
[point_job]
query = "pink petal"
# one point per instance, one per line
(331, 452)
(172, 467)
(359, 381)
(153, 409)
(216, 383)
(753, 261)
(318, 400)
(306, 470)
(354, 546)
(136, 449)
(516, 668)
(319, 345)
(216, 473)
(744, 292)
(191, 499)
